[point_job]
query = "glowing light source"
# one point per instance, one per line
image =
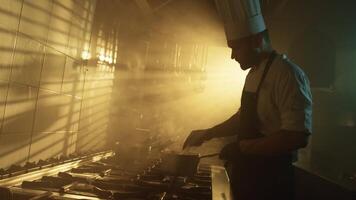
(102, 57)
(224, 77)
(86, 55)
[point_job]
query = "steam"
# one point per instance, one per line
(164, 86)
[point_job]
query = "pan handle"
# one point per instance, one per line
(209, 155)
(43, 196)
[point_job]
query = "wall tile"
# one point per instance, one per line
(3, 94)
(9, 14)
(93, 124)
(28, 60)
(95, 111)
(45, 94)
(47, 145)
(60, 24)
(76, 41)
(50, 116)
(72, 143)
(91, 140)
(77, 33)
(72, 110)
(56, 113)
(53, 68)
(20, 109)
(7, 39)
(14, 149)
(35, 19)
(73, 78)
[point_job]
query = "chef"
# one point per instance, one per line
(275, 116)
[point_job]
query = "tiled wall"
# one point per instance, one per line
(42, 77)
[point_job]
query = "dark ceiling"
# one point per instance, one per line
(197, 20)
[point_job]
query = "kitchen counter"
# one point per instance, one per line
(313, 182)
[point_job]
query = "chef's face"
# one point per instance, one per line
(244, 51)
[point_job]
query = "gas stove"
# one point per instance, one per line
(105, 178)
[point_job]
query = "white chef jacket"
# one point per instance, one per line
(285, 100)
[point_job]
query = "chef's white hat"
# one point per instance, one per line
(241, 18)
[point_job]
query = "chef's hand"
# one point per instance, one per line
(196, 138)
(230, 152)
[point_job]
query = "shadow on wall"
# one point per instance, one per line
(334, 109)
(32, 132)
(41, 81)
(334, 129)
(315, 53)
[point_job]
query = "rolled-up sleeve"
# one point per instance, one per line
(293, 99)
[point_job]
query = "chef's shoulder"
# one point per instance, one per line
(284, 68)
(291, 79)
(292, 95)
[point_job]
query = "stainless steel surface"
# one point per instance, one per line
(220, 184)
(56, 194)
(102, 177)
(16, 180)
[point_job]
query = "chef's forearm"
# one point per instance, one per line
(225, 129)
(277, 144)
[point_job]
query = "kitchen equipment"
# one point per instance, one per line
(5, 193)
(43, 196)
(106, 179)
(182, 164)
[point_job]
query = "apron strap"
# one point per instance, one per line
(271, 58)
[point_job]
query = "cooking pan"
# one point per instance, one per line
(181, 164)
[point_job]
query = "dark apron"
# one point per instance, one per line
(255, 177)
